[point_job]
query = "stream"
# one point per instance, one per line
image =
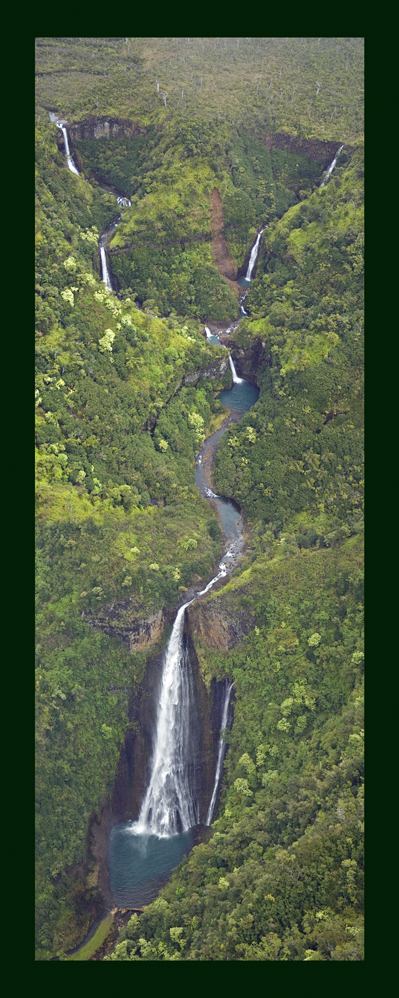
(143, 853)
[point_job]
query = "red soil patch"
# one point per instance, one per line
(220, 250)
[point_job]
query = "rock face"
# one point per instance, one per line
(120, 620)
(105, 128)
(317, 149)
(216, 622)
(216, 371)
(247, 362)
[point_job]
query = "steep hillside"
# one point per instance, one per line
(210, 139)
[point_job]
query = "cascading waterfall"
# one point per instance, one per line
(254, 254)
(168, 806)
(236, 379)
(331, 167)
(69, 159)
(221, 751)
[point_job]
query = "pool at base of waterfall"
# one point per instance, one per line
(240, 397)
(140, 865)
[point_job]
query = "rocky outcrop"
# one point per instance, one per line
(316, 149)
(216, 371)
(248, 362)
(217, 623)
(105, 128)
(120, 620)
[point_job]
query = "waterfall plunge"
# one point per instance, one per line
(221, 751)
(104, 269)
(69, 159)
(236, 379)
(168, 806)
(254, 254)
(331, 167)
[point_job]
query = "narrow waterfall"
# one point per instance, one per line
(221, 751)
(69, 159)
(254, 254)
(236, 379)
(208, 332)
(104, 268)
(331, 167)
(168, 806)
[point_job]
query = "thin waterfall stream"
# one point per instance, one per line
(331, 167)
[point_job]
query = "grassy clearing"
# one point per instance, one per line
(95, 942)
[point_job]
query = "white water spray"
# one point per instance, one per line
(254, 254)
(70, 162)
(168, 806)
(104, 269)
(236, 379)
(331, 167)
(221, 751)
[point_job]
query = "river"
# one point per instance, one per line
(143, 853)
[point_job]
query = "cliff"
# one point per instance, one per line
(316, 149)
(105, 128)
(215, 622)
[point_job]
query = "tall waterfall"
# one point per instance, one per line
(331, 167)
(221, 751)
(254, 253)
(236, 379)
(168, 806)
(104, 268)
(69, 159)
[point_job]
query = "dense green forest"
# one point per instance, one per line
(126, 391)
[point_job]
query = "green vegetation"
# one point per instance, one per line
(121, 529)
(95, 942)
(306, 86)
(281, 877)
(295, 460)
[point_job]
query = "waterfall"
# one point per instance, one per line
(236, 380)
(331, 167)
(208, 332)
(243, 310)
(104, 268)
(221, 751)
(69, 159)
(254, 253)
(168, 806)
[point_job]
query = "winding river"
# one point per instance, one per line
(143, 853)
